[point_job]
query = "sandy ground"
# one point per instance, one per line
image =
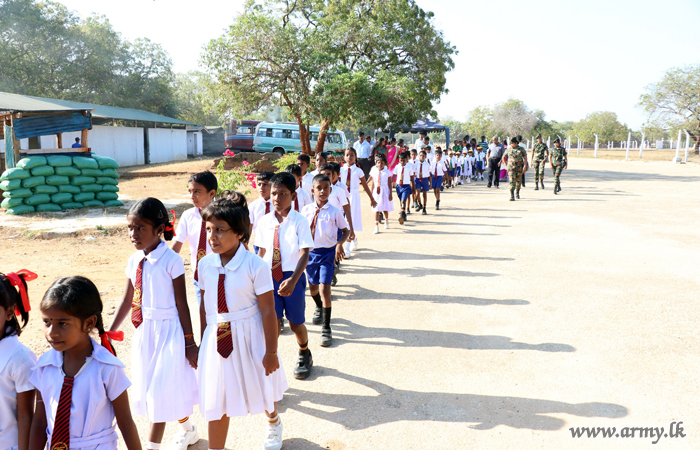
(489, 324)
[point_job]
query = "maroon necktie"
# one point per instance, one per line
(136, 314)
(60, 438)
(401, 180)
(420, 174)
(224, 341)
(314, 221)
(277, 272)
(379, 183)
(267, 207)
(296, 203)
(347, 181)
(201, 248)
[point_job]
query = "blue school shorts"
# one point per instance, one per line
(451, 172)
(479, 165)
(423, 185)
(293, 306)
(458, 171)
(321, 265)
(403, 192)
(437, 183)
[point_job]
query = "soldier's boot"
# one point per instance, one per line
(555, 189)
(542, 183)
(537, 185)
(512, 195)
(559, 187)
(517, 194)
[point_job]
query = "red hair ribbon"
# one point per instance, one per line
(114, 335)
(171, 226)
(16, 280)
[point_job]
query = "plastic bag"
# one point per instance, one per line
(113, 203)
(104, 196)
(10, 203)
(9, 185)
(84, 197)
(110, 173)
(79, 181)
(93, 204)
(91, 188)
(91, 172)
(110, 188)
(72, 205)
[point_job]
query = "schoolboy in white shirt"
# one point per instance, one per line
(307, 179)
(415, 193)
(262, 205)
(437, 171)
(421, 178)
(404, 183)
(327, 223)
(302, 198)
(202, 187)
(284, 239)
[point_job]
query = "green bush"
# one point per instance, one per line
(235, 178)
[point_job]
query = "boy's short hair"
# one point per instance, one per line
(404, 155)
(303, 157)
(231, 207)
(323, 155)
(413, 150)
(438, 151)
(294, 169)
(320, 177)
(285, 179)
(423, 152)
(265, 176)
(336, 167)
(324, 167)
(206, 179)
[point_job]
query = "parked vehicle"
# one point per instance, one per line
(239, 135)
(284, 138)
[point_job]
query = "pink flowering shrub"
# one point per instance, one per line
(236, 179)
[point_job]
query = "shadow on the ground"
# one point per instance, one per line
(356, 292)
(370, 254)
(451, 233)
(613, 175)
(484, 412)
(412, 272)
(346, 332)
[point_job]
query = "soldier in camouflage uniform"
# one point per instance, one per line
(516, 164)
(539, 158)
(559, 161)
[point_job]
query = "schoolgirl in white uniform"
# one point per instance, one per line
(239, 371)
(164, 353)
(381, 178)
(352, 177)
(16, 363)
(81, 384)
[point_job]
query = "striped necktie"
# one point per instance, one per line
(347, 180)
(136, 313)
(401, 180)
(201, 248)
(60, 437)
(314, 222)
(224, 340)
(277, 272)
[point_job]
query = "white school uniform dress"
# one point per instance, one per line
(307, 183)
(330, 220)
(382, 198)
(165, 385)
(188, 229)
(294, 234)
(237, 385)
(302, 200)
(16, 364)
(96, 385)
(256, 210)
(469, 165)
(338, 198)
(356, 175)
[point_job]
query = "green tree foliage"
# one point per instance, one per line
(674, 102)
(480, 122)
(190, 93)
(604, 123)
(48, 51)
(333, 61)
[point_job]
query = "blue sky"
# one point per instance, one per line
(566, 57)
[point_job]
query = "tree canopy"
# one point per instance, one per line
(604, 123)
(513, 118)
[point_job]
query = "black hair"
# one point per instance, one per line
(11, 299)
(206, 179)
(423, 152)
(352, 150)
(438, 151)
(77, 139)
(438, 148)
(404, 155)
(265, 176)
(483, 138)
(303, 157)
(514, 140)
(380, 156)
(78, 297)
(401, 141)
(326, 166)
(520, 138)
(320, 177)
(154, 211)
(323, 155)
(285, 179)
(336, 167)
(362, 133)
(413, 150)
(232, 208)
(294, 169)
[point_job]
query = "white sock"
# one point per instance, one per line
(152, 445)
(186, 425)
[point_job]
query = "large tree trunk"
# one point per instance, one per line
(325, 124)
(304, 137)
(696, 138)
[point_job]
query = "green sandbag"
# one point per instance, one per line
(48, 207)
(15, 174)
(107, 180)
(57, 180)
(84, 197)
(105, 162)
(91, 172)
(63, 197)
(79, 181)
(33, 182)
(69, 189)
(82, 162)
(113, 203)
(110, 173)
(37, 199)
(93, 204)
(22, 209)
(60, 160)
(72, 205)
(109, 188)
(44, 189)
(9, 185)
(18, 193)
(91, 188)
(43, 171)
(31, 162)
(10, 203)
(106, 196)
(68, 171)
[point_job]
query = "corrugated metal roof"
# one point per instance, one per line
(25, 103)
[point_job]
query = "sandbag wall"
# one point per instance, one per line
(60, 182)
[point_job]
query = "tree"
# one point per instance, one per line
(333, 61)
(675, 101)
(480, 122)
(189, 89)
(513, 118)
(604, 123)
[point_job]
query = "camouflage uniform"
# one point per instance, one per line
(538, 163)
(516, 162)
(557, 157)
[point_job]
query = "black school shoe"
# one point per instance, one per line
(326, 337)
(334, 281)
(381, 218)
(318, 316)
(304, 365)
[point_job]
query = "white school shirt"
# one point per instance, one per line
(430, 155)
(441, 168)
(343, 188)
(471, 159)
(479, 156)
(98, 383)
(294, 235)
(303, 199)
(16, 364)
(161, 267)
(338, 197)
(188, 229)
(380, 178)
(460, 161)
(307, 183)
(454, 161)
(407, 173)
(422, 166)
(256, 210)
(330, 220)
(355, 177)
